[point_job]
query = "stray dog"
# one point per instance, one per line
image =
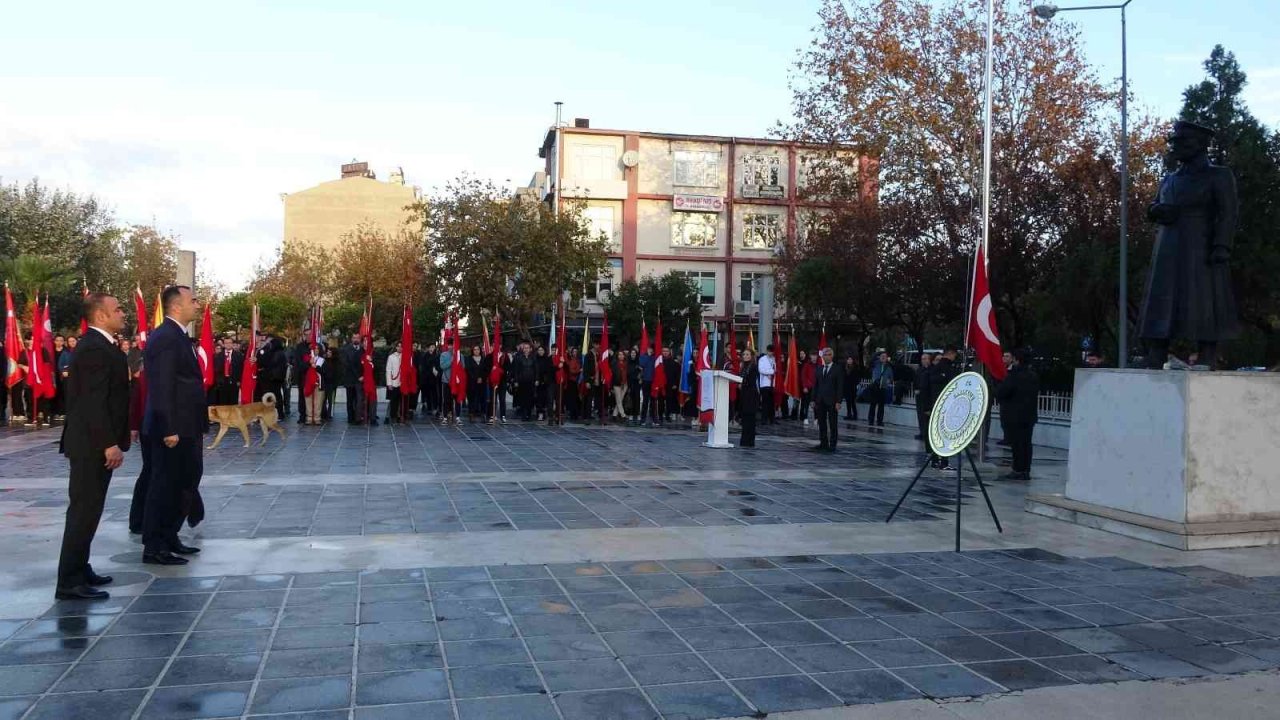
(241, 416)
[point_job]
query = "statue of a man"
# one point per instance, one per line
(1189, 286)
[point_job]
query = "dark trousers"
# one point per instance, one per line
(393, 404)
(524, 399)
(805, 398)
(175, 474)
(431, 395)
(922, 422)
(540, 400)
(18, 396)
(227, 393)
(1019, 436)
(748, 438)
(766, 405)
(828, 423)
(302, 405)
(138, 504)
(875, 408)
(353, 403)
(850, 400)
(88, 490)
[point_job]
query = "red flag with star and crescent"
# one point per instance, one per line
(981, 333)
(704, 363)
(12, 342)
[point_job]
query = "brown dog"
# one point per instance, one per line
(242, 416)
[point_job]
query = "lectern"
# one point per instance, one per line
(714, 397)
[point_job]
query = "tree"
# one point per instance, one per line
(29, 275)
(1253, 153)
(300, 269)
(902, 81)
(670, 298)
(150, 259)
(277, 314)
(369, 261)
(491, 251)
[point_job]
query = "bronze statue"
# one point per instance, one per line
(1189, 284)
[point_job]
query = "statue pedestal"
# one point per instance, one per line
(1185, 459)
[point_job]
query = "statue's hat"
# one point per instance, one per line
(1188, 127)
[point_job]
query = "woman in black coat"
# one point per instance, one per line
(749, 399)
(477, 378)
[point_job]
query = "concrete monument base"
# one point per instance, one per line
(1185, 459)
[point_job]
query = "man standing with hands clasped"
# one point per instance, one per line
(94, 438)
(828, 391)
(175, 420)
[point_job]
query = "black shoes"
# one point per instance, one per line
(80, 592)
(164, 557)
(181, 549)
(93, 579)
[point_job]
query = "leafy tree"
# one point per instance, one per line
(300, 269)
(29, 275)
(671, 298)
(492, 251)
(1252, 151)
(150, 259)
(278, 314)
(370, 261)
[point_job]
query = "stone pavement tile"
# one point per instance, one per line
(970, 648)
(524, 707)
(789, 633)
(720, 638)
(776, 694)
(491, 680)
(1045, 618)
(408, 656)
(29, 679)
(590, 674)
(1155, 610)
(1088, 669)
(149, 623)
(826, 658)
(645, 642)
(1218, 659)
(485, 652)
(866, 686)
(402, 632)
(186, 602)
(694, 616)
(1267, 624)
(697, 701)
(1102, 614)
(597, 704)
(665, 669)
(925, 625)
(111, 675)
(308, 662)
(1156, 664)
(569, 624)
(117, 705)
(755, 662)
(215, 620)
(1098, 640)
(302, 694)
(460, 629)
(1212, 630)
(197, 701)
(13, 708)
(1033, 644)
(943, 681)
(1019, 674)
(767, 611)
(401, 687)
(852, 629)
(899, 653)
(222, 642)
(411, 711)
(1268, 650)
(205, 669)
(1155, 635)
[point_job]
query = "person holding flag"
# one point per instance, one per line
(369, 386)
(408, 371)
(705, 417)
(458, 373)
(686, 366)
(605, 366)
(497, 370)
(13, 373)
(658, 389)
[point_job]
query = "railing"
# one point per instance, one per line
(1049, 405)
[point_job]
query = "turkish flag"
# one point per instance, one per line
(606, 370)
(458, 372)
(12, 341)
(981, 333)
(206, 348)
(84, 293)
(495, 357)
(408, 373)
(704, 363)
(644, 338)
(659, 369)
(140, 311)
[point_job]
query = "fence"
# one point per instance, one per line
(1049, 406)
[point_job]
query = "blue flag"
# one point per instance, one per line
(686, 360)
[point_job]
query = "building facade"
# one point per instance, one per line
(713, 208)
(323, 214)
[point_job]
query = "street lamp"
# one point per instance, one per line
(1047, 12)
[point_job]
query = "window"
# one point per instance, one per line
(694, 229)
(599, 221)
(704, 281)
(604, 284)
(747, 287)
(594, 162)
(761, 231)
(760, 170)
(697, 168)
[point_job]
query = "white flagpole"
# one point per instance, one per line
(988, 92)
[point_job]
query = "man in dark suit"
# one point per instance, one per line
(941, 372)
(94, 438)
(1019, 394)
(828, 392)
(352, 355)
(175, 419)
(228, 365)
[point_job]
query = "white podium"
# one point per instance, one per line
(714, 396)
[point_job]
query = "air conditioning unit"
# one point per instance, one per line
(743, 307)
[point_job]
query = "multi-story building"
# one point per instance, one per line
(710, 207)
(323, 214)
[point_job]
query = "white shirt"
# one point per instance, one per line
(766, 368)
(393, 370)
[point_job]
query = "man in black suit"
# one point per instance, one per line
(352, 357)
(828, 392)
(941, 372)
(94, 438)
(228, 365)
(175, 419)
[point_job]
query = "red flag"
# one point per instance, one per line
(311, 378)
(659, 370)
(48, 383)
(140, 310)
(206, 347)
(704, 363)
(370, 385)
(822, 341)
(791, 383)
(981, 333)
(84, 293)
(495, 357)
(35, 358)
(408, 373)
(644, 338)
(606, 370)
(458, 372)
(249, 376)
(561, 351)
(12, 342)
(735, 365)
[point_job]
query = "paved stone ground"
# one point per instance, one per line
(666, 581)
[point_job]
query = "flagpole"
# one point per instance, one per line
(988, 92)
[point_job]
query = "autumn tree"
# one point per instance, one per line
(670, 298)
(491, 251)
(300, 269)
(150, 259)
(902, 81)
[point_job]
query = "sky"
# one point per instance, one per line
(196, 117)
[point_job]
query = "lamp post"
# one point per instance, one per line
(1046, 12)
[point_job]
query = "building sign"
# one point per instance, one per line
(957, 415)
(697, 203)
(772, 192)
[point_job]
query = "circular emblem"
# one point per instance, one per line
(958, 414)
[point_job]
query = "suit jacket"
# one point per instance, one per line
(219, 365)
(175, 386)
(97, 399)
(1018, 394)
(828, 384)
(351, 370)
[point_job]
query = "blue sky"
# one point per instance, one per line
(196, 117)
